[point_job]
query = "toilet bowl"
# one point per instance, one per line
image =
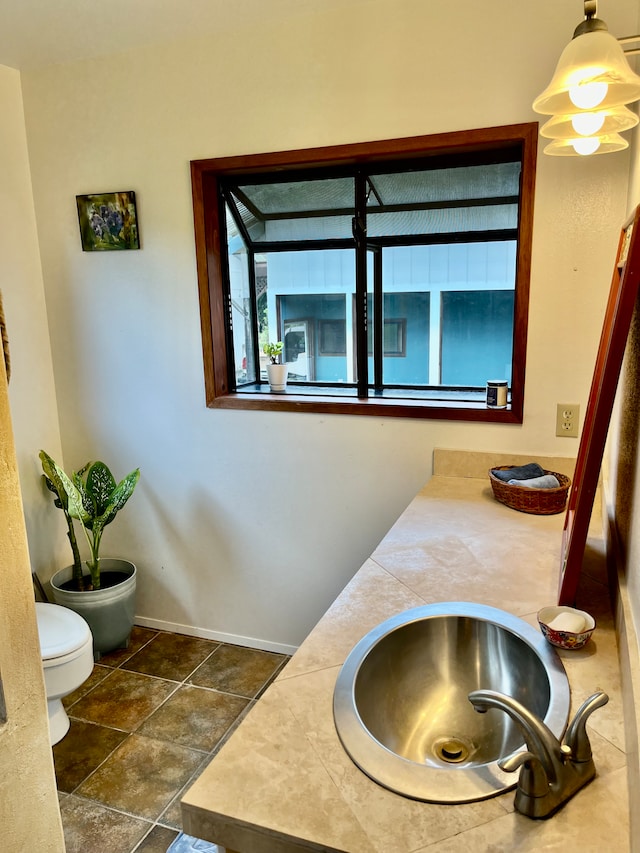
(66, 646)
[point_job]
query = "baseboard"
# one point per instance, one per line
(218, 636)
(629, 659)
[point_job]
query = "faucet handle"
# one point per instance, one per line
(576, 737)
(533, 780)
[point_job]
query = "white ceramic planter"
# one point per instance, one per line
(110, 611)
(277, 374)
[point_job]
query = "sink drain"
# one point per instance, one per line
(451, 750)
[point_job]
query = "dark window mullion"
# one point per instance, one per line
(360, 236)
(226, 292)
(303, 245)
(253, 299)
(237, 218)
(378, 320)
(445, 238)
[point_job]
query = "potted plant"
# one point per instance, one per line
(276, 371)
(105, 594)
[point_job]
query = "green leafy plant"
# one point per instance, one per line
(92, 497)
(273, 351)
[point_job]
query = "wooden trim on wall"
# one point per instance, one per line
(623, 295)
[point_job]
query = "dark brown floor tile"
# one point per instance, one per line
(232, 728)
(194, 717)
(81, 751)
(236, 669)
(97, 675)
(142, 776)
(92, 828)
(158, 840)
(171, 656)
(139, 638)
(172, 816)
(123, 700)
(177, 729)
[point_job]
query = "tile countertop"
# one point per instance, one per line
(283, 783)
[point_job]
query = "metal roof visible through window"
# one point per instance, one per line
(427, 201)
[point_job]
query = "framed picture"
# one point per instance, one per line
(108, 221)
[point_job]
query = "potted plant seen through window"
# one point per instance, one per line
(276, 371)
(103, 592)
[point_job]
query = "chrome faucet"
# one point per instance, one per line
(550, 772)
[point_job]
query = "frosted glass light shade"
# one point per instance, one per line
(586, 145)
(602, 122)
(590, 58)
(607, 144)
(586, 124)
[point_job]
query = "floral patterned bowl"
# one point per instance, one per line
(556, 622)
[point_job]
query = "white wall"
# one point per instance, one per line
(31, 390)
(26, 763)
(248, 523)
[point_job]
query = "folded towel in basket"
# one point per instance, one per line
(522, 472)
(548, 481)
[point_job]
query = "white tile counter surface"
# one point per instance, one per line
(283, 783)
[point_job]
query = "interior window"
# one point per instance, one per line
(396, 274)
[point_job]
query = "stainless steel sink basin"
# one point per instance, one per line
(401, 704)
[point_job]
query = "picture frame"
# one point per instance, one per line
(108, 221)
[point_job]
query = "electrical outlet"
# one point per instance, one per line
(567, 419)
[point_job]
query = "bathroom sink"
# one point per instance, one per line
(401, 706)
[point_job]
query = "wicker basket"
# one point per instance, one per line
(535, 501)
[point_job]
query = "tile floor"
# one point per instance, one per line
(143, 727)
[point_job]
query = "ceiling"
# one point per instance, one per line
(36, 33)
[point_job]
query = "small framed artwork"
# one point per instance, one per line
(108, 221)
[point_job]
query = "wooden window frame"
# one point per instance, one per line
(208, 216)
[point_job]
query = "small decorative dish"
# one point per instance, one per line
(566, 627)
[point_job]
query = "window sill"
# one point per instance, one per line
(290, 401)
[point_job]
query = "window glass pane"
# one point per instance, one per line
(243, 352)
(491, 181)
(314, 228)
(477, 336)
(405, 337)
(442, 221)
(266, 333)
(414, 277)
(297, 210)
(436, 201)
(309, 302)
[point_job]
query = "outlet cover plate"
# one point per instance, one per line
(567, 420)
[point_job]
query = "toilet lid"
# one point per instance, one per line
(60, 630)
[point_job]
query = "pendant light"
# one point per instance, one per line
(596, 122)
(588, 92)
(584, 146)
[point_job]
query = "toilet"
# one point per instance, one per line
(66, 646)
